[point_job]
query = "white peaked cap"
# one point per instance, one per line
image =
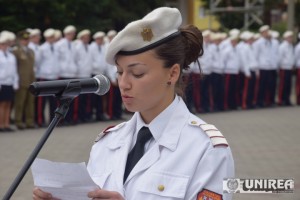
(257, 36)
(83, 33)
(264, 28)
(216, 36)
(69, 29)
(274, 34)
(206, 33)
(157, 27)
(234, 32)
(98, 34)
(111, 33)
(223, 35)
(58, 34)
(50, 32)
(34, 32)
(288, 34)
(3, 38)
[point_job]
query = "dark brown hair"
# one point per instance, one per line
(183, 50)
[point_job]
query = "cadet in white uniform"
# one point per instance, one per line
(217, 76)
(286, 62)
(297, 57)
(68, 67)
(263, 53)
(48, 70)
(83, 60)
(250, 68)
(34, 44)
(205, 63)
(163, 151)
(98, 49)
(232, 65)
(9, 81)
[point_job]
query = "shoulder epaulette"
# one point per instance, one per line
(212, 132)
(108, 130)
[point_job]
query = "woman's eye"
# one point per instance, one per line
(138, 75)
(119, 73)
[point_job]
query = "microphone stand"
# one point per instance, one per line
(65, 97)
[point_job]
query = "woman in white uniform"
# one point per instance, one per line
(163, 151)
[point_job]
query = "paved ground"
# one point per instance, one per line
(265, 144)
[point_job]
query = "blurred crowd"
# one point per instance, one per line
(23, 60)
(237, 70)
(244, 70)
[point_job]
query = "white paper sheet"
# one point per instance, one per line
(63, 180)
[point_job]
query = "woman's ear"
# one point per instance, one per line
(174, 73)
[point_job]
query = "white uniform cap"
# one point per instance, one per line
(10, 36)
(206, 33)
(35, 32)
(83, 33)
(3, 38)
(223, 35)
(288, 34)
(215, 36)
(98, 34)
(234, 32)
(111, 33)
(57, 34)
(243, 35)
(157, 27)
(234, 37)
(257, 36)
(50, 32)
(248, 35)
(264, 28)
(29, 30)
(69, 29)
(274, 34)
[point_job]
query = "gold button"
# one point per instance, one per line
(193, 122)
(161, 188)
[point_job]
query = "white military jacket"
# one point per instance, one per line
(8, 70)
(49, 64)
(99, 64)
(297, 55)
(83, 59)
(188, 158)
(286, 55)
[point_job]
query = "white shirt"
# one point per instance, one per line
(248, 60)
(83, 59)
(217, 62)
(37, 55)
(68, 67)
(263, 53)
(286, 55)
(49, 67)
(205, 61)
(8, 70)
(231, 60)
(275, 54)
(182, 158)
(297, 55)
(98, 58)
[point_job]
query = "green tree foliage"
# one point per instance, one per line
(92, 14)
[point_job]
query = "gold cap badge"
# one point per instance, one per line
(147, 34)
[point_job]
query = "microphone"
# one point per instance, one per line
(99, 85)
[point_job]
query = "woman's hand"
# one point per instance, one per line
(41, 195)
(104, 194)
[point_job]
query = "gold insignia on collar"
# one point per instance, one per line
(147, 34)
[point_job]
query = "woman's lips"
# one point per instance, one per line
(127, 99)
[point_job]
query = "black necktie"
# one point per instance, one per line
(137, 152)
(52, 48)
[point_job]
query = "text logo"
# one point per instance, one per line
(258, 185)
